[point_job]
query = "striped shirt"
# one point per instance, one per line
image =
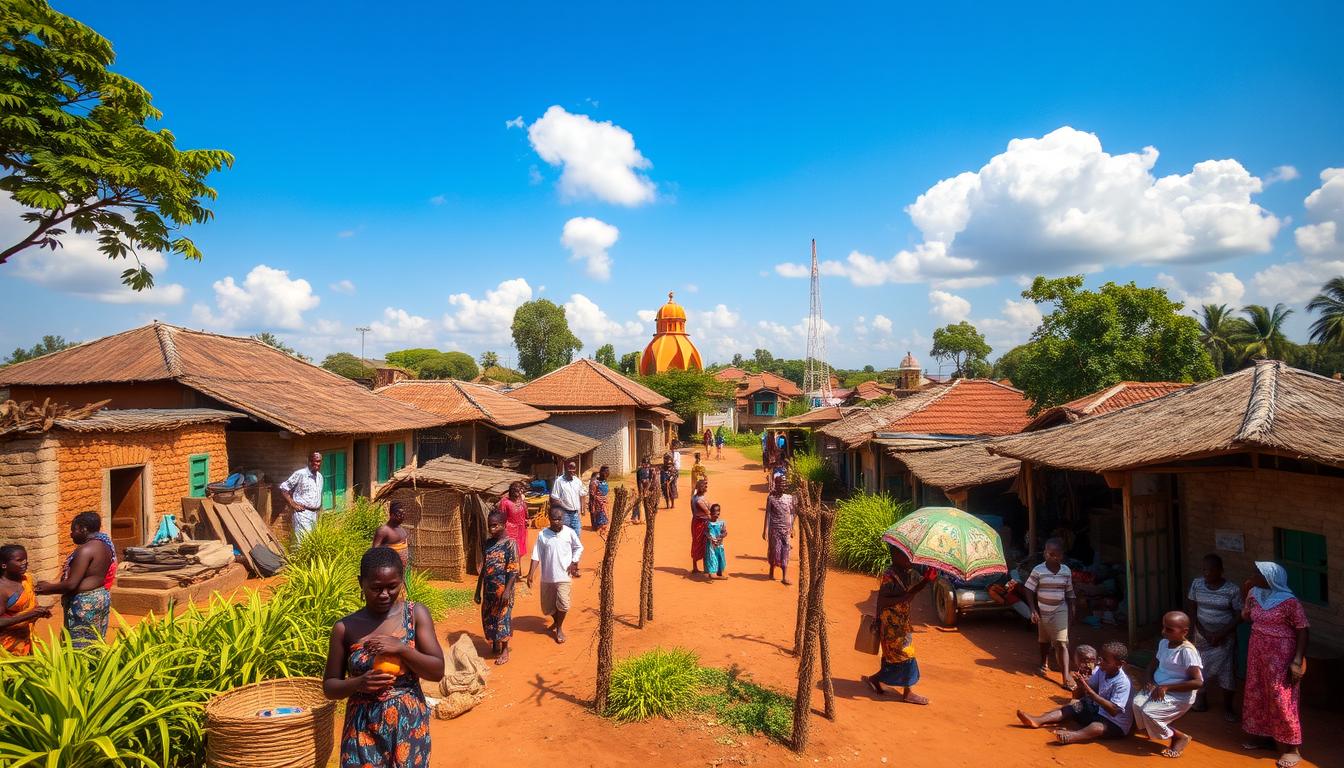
(1051, 588)
(1218, 608)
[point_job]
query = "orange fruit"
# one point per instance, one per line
(388, 663)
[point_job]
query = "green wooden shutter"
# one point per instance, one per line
(384, 462)
(335, 480)
(199, 474)
(400, 460)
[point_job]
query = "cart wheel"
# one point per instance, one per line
(945, 604)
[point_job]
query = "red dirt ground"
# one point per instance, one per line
(536, 711)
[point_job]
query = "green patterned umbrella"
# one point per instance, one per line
(950, 540)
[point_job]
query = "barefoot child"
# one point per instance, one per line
(494, 587)
(1174, 675)
(377, 658)
(1050, 588)
(392, 535)
(715, 533)
(556, 554)
(1100, 707)
(18, 602)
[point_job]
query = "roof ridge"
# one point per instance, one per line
(1260, 407)
(463, 390)
(168, 346)
(1110, 392)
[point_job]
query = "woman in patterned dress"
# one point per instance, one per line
(377, 658)
(1275, 664)
(494, 587)
(780, 512)
(514, 507)
(597, 500)
(899, 585)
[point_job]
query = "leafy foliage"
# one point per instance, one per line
(812, 468)
(76, 151)
(46, 346)
(543, 339)
(1328, 329)
(691, 392)
(488, 359)
(964, 347)
(629, 364)
(1218, 332)
(1095, 339)
(1260, 336)
(447, 365)
(1007, 364)
(347, 365)
(271, 340)
(502, 374)
(795, 407)
(655, 684)
(410, 359)
(857, 534)
(745, 706)
(606, 355)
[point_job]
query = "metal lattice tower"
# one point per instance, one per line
(817, 378)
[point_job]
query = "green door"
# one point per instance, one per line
(199, 474)
(333, 479)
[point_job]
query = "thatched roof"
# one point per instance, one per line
(860, 424)
(552, 439)
(448, 472)
(958, 466)
(962, 407)
(460, 402)
(1112, 398)
(1270, 407)
(586, 383)
(241, 373)
(34, 418)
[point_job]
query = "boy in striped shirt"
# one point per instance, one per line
(1050, 586)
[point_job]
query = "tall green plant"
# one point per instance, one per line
(857, 533)
(658, 683)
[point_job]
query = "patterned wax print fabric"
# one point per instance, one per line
(779, 514)
(597, 502)
(85, 615)
(699, 530)
(899, 665)
(18, 639)
(715, 559)
(388, 729)
(501, 563)
(1270, 708)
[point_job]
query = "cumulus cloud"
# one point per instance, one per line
(1017, 320)
(593, 326)
(267, 298)
(401, 328)
(597, 159)
(720, 318)
(438, 200)
(927, 261)
(516, 122)
(489, 317)
(1216, 288)
(1321, 243)
(588, 240)
(882, 323)
(647, 315)
(343, 286)
(949, 306)
(1281, 173)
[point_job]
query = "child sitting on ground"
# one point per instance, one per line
(715, 560)
(1174, 675)
(1100, 706)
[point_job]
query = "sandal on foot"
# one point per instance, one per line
(873, 684)
(914, 698)
(1289, 761)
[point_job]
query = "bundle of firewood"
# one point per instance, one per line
(29, 416)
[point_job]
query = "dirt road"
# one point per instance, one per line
(976, 676)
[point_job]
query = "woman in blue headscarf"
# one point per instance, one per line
(1275, 663)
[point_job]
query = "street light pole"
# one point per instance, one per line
(362, 330)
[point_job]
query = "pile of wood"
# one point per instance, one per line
(29, 416)
(238, 523)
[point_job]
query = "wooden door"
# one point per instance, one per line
(1155, 587)
(126, 496)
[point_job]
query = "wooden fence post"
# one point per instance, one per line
(650, 500)
(607, 602)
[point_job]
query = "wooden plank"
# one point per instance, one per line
(246, 516)
(228, 530)
(1131, 603)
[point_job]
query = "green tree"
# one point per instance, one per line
(410, 359)
(46, 346)
(796, 407)
(349, 366)
(543, 339)
(1094, 339)
(1006, 366)
(271, 340)
(1261, 335)
(793, 370)
(629, 364)
(606, 355)
(964, 347)
(1217, 332)
(447, 365)
(501, 374)
(489, 360)
(1328, 329)
(76, 152)
(738, 362)
(691, 392)
(763, 358)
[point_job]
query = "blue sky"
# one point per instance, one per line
(421, 169)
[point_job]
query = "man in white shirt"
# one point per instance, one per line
(556, 554)
(567, 494)
(676, 457)
(303, 493)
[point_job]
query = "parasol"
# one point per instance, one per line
(950, 540)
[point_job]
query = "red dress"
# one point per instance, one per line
(1270, 708)
(699, 530)
(515, 522)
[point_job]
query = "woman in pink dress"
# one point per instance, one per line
(514, 508)
(1275, 663)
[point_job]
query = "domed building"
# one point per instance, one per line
(909, 376)
(671, 349)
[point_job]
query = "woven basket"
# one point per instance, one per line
(237, 738)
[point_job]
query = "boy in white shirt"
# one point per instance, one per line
(556, 554)
(1175, 674)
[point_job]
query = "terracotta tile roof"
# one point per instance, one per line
(859, 424)
(669, 414)
(1111, 398)
(586, 383)
(460, 402)
(977, 407)
(872, 390)
(242, 373)
(814, 418)
(757, 381)
(730, 374)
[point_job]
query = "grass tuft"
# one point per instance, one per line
(857, 535)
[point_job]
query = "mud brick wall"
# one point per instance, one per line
(610, 428)
(1254, 503)
(29, 500)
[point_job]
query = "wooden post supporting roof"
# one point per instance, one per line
(1028, 472)
(1131, 604)
(473, 441)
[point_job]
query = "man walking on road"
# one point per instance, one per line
(303, 493)
(567, 494)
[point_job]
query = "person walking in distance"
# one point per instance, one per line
(567, 494)
(303, 494)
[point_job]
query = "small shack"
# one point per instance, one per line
(446, 502)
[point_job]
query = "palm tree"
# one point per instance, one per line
(1218, 329)
(1261, 337)
(1328, 330)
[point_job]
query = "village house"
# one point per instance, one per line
(484, 425)
(759, 398)
(591, 399)
(291, 407)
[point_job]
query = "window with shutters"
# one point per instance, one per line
(198, 474)
(1302, 554)
(391, 457)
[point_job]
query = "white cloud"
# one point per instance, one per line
(346, 233)
(267, 298)
(1295, 282)
(588, 240)
(959, 283)
(720, 318)
(438, 200)
(1017, 320)
(692, 288)
(594, 328)
(882, 323)
(647, 315)
(927, 261)
(490, 317)
(1325, 207)
(516, 122)
(343, 286)
(598, 159)
(1217, 288)
(1281, 173)
(789, 269)
(402, 328)
(949, 306)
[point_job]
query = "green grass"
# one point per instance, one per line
(857, 536)
(813, 468)
(745, 706)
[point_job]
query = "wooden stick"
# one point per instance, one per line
(646, 569)
(607, 602)
(826, 519)
(802, 578)
(802, 703)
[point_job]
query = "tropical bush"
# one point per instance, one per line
(812, 468)
(856, 538)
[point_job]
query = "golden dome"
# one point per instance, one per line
(671, 349)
